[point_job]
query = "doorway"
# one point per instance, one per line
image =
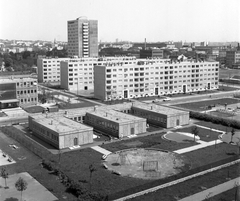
(75, 141)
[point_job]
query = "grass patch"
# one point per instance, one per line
(64, 105)
(211, 154)
(150, 141)
(204, 134)
(214, 126)
(202, 105)
(193, 186)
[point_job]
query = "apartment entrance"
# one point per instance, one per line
(125, 94)
(178, 122)
(184, 88)
(209, 86)
(156, 91)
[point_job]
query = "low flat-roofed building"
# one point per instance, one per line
(60, 131)
(161, 115)
(115, 123)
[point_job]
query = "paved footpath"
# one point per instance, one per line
(198, 146)
(101, 150)
(213, 191)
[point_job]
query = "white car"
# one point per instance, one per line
(167, 99)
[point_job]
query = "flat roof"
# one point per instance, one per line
(16, 79)
(61, 125)
(158, 109)
(115, 116)
(9, 101)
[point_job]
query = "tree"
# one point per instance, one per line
(91, 169)
(4, 175)
(8, 62)
(21, 185)
(195, 132)
(232, 134)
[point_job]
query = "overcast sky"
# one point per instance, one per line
(132, 20)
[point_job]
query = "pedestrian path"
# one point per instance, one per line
(196, 147)
(210, 129)
(213, 191)
(101, 150)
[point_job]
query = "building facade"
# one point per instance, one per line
(151, 53)
(49, 69)
(77, 73)
(60, 132)
(18, 91)
(83, 37)
(161, 115)
(116, 123)
(153, 77)
(233, 59)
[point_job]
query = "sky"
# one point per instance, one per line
(125, 20)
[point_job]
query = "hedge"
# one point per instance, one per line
(216, 120)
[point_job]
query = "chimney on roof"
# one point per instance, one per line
(145, 44)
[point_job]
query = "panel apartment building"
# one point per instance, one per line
(83, 37)
(49, 69)
(152, 77)
(77, 73)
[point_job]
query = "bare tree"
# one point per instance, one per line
(232, 134)
(21, 185)
(91, 169)
(4, 175)
(195, 132)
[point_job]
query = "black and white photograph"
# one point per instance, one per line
(116, 100)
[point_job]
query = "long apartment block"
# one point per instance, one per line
(152, 77)
(77, 73)
(49, 69)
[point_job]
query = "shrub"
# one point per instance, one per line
(217, 120)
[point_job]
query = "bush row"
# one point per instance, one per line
(216, 120)
(74, 187)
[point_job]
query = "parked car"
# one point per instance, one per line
(167, 99)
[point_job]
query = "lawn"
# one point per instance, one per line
(150, 141)
(202, 105)
(193, 186)
(204, 134)
(228, 195)
(76, 164)
(64, 105)
(211, 154)
(220, 114)
(227, 88)
(214, 126)
(227, 73)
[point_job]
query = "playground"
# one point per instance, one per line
(146, 163)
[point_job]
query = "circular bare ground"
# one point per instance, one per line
(146, 163)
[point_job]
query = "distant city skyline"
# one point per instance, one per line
(132, 20)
